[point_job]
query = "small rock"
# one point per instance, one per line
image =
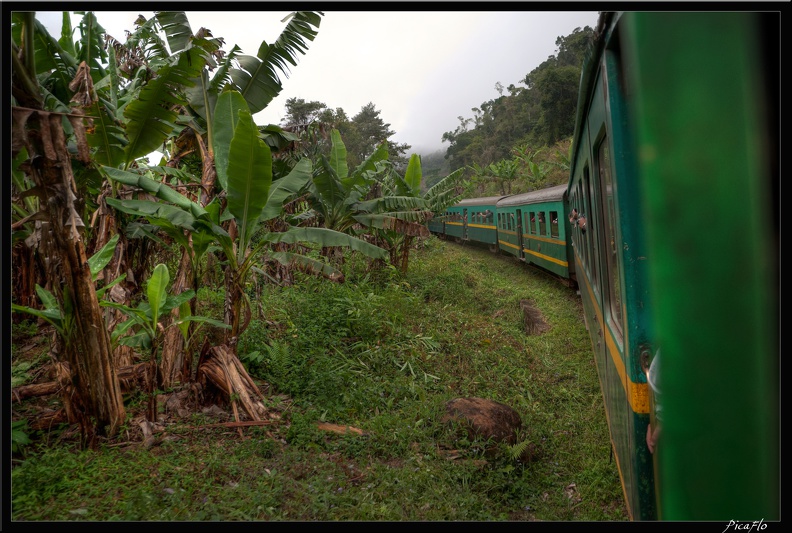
(485, 419)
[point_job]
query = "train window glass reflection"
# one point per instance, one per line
(554, 224)
(612, 252)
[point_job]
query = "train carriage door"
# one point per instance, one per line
(464, 224)
(520, 253)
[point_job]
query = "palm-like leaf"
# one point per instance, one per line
(328, 193)
(443, 193)
(412, 223)
(305, 264)
(147, 39)
(170, 218)
(177, 29)
(51, 59)
(91, 46)
(108, 138)
(388, 204)
(204, 95)
(371, 166)
(185, 214)
(152, 115)
(258, 79)
(326, 238)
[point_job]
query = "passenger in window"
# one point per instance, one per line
(581, 222)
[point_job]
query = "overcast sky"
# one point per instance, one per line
(420, 69)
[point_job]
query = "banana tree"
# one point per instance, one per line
(254, 77)
(253, 199)
(398, 229)
(146, 318)
(97, 402)
(352, 201)
(194, 227)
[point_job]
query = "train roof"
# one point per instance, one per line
(550, 194)
(488, 200)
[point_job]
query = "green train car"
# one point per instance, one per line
(671, 229)
(473, 220)
(673, 176)
(531, 226)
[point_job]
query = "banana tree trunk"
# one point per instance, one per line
(176, 363)
(237, 313)
(405, 253)
(24, 276)
(105, 226)
(97, 399)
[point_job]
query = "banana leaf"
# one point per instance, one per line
(306, 264)
(257, 79)
(399, 225)
(156, 291)
(285, 188)
(326, 238)
(152, 115)
(177, 29)
(412, 176)
(100, 259)
(338, 154)
(249, 179)
(226, 118)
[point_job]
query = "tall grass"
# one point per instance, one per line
(382, 353)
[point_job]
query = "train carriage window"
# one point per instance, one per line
(542, 223)
(532, 225)
(611, 240)
(526, 222)
(554, 224)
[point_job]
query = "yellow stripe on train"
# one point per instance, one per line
(637, 393)
(547, 258)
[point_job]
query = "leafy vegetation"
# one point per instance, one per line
(174, 294)
(382, 353)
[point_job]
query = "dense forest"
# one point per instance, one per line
(521, 141)
(109, 249)
(515, 143)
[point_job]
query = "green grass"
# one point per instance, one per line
(382, 353)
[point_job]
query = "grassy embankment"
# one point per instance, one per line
(381, 353)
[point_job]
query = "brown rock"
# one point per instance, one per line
(484, 418)
(533, 321)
